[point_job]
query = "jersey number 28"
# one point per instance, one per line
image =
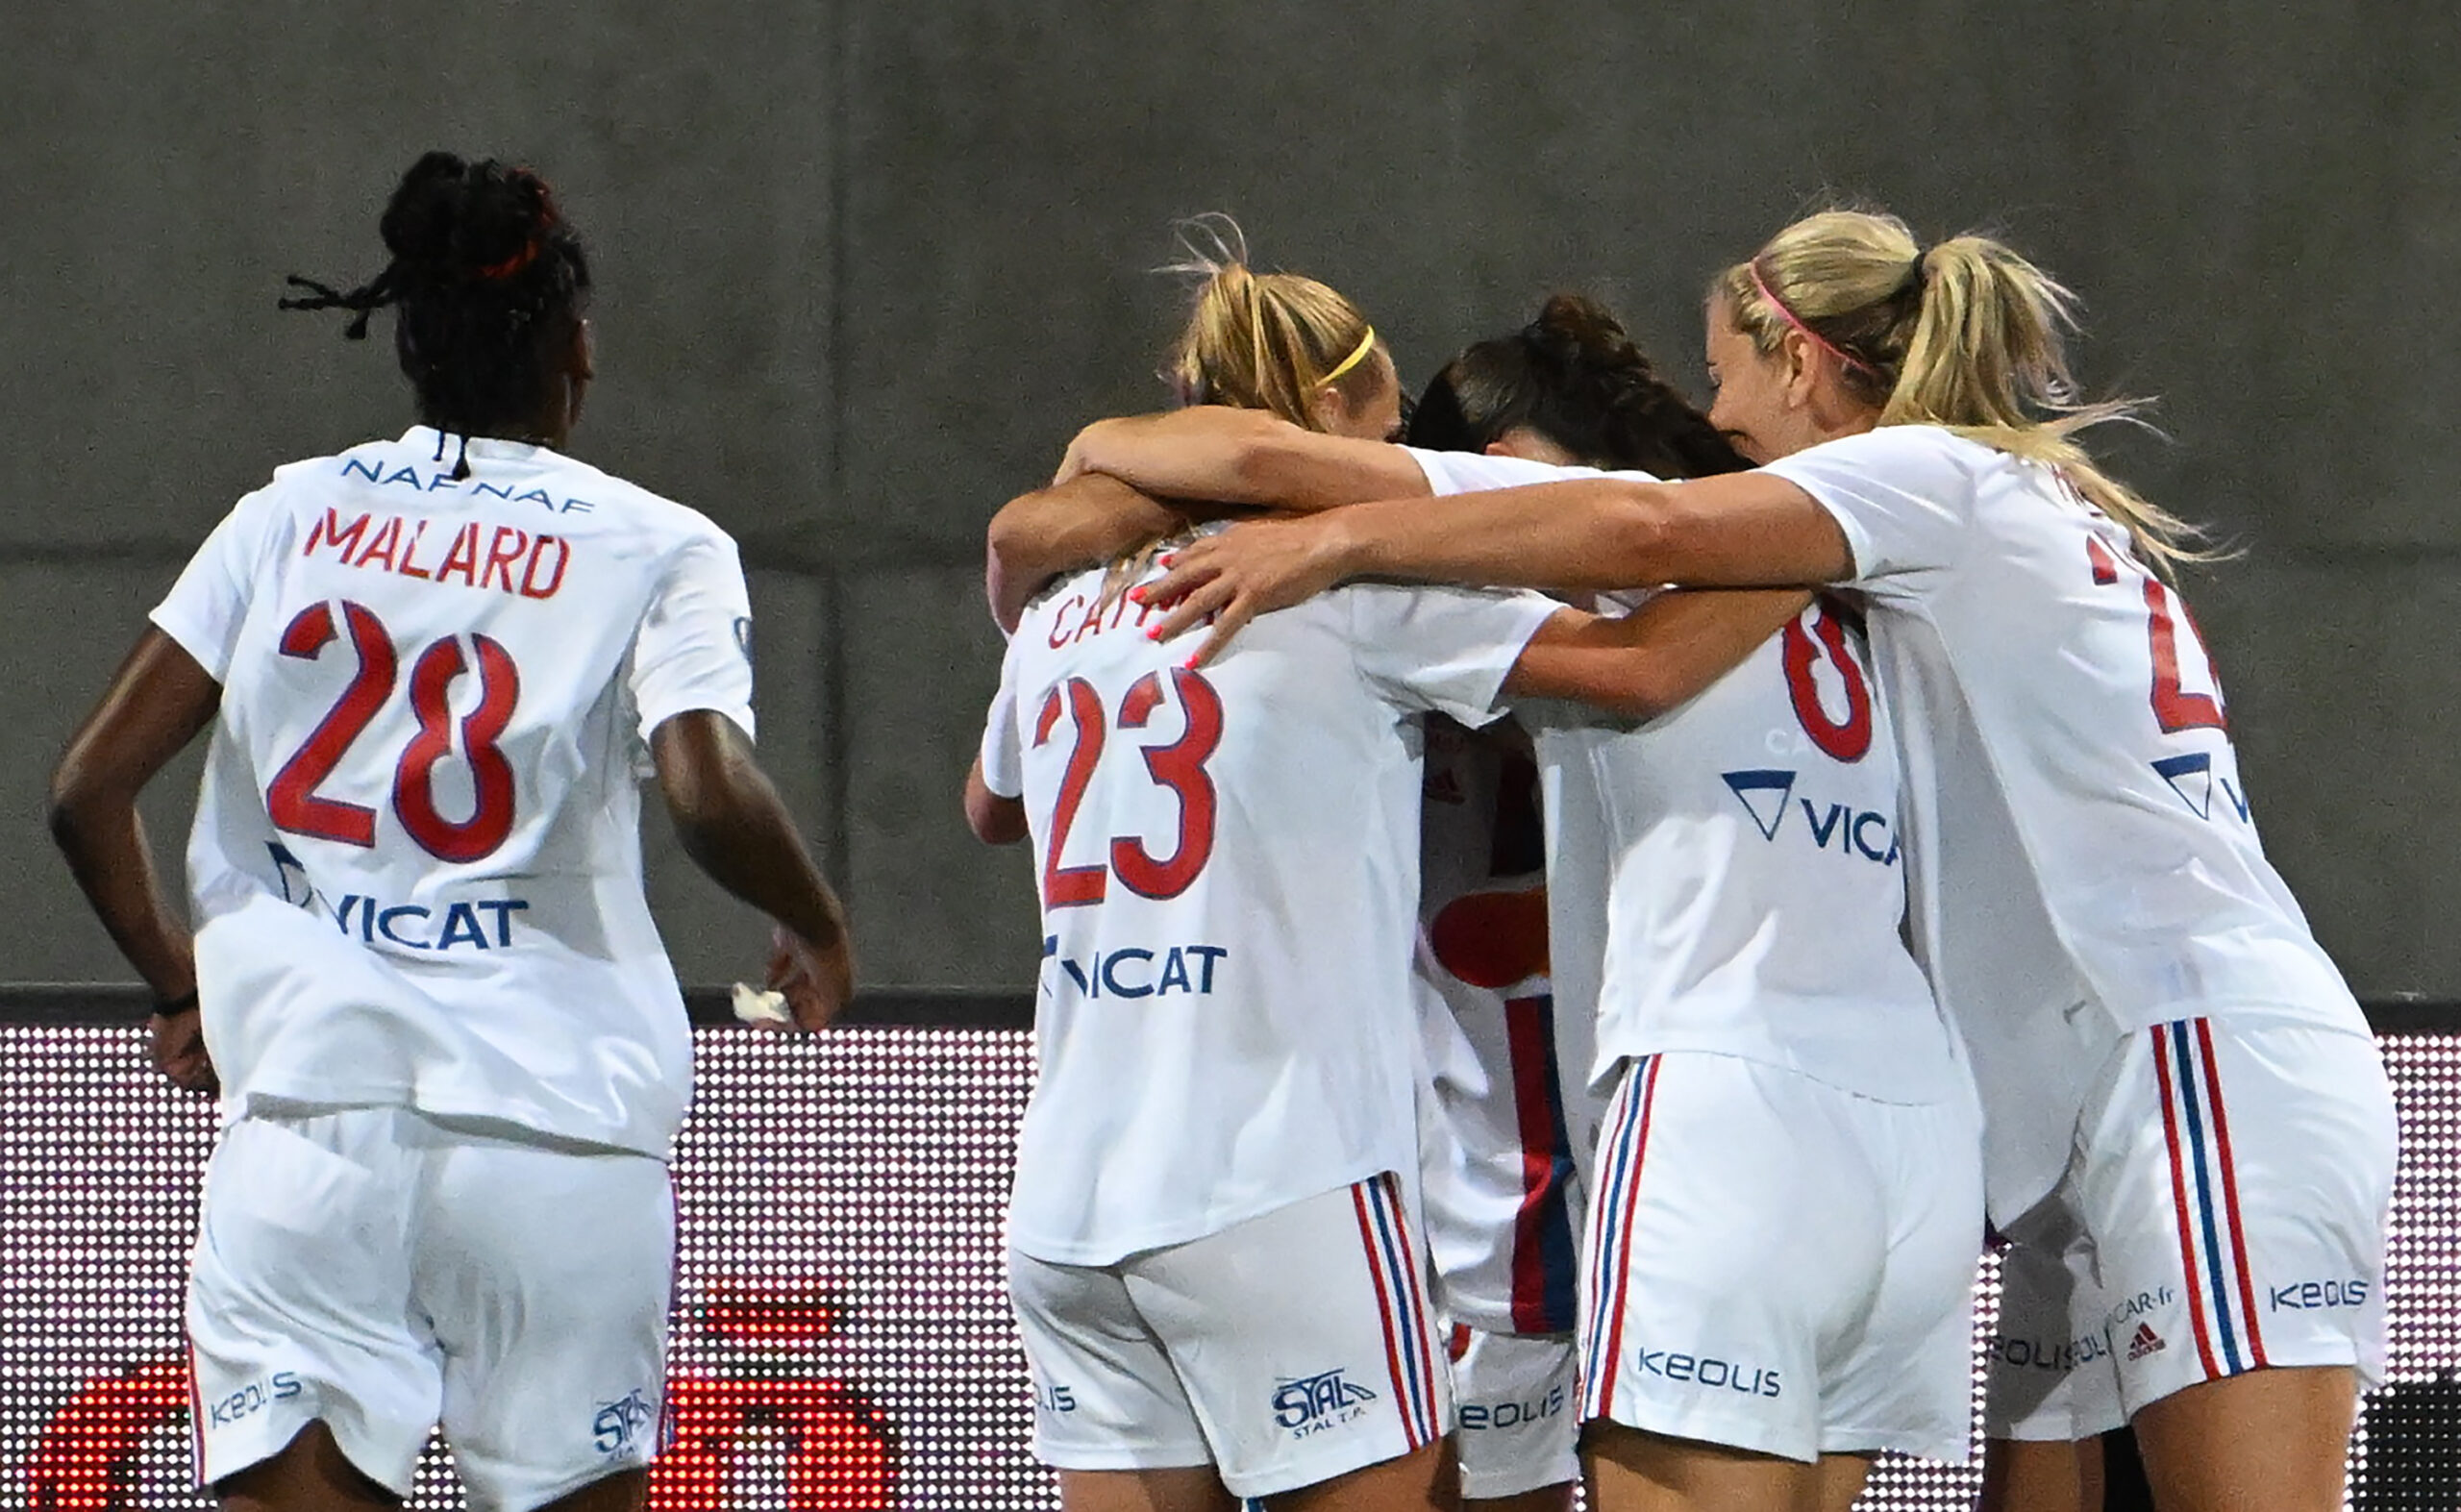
(293, 801)
(1179, 766)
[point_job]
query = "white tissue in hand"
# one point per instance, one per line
(753, 1005)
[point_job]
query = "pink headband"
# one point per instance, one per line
(1786, 313)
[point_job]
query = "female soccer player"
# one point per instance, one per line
(1214, 1271)
(2189, 1123)
(1720, 941)
(451, 1051)
(1775, 1058)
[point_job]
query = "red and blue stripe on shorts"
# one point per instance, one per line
(1544, 1296)
(1409, 1331)
(1622, 1151)
(2204, 1195)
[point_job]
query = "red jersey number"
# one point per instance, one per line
(1178, 765)
(2174, 707)
(292, 799)
(1845, 738)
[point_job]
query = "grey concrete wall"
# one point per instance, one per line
(864, 267)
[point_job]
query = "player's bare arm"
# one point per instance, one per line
(1089, 518)
(1242, 456)
(736, 828)
(1743, 529)
(155, 704)
(1657, 659)
(994, 819)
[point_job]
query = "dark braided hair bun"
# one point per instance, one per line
(455, 221)
(1573, 376)
(488, 278)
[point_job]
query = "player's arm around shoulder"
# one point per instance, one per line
(1242, 456)
(1659, 657)
(1039, 537)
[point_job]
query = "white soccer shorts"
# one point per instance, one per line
(1520, 1403)
(1779, 1265)
(1283, 1351)
(2225, 1209)
(384, 1274)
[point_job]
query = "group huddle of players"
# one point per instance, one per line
(1560, 938)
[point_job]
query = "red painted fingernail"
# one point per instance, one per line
(1137, 595)
(1190, 663)
(1153, 632)
(1164, 561)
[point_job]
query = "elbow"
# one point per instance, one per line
(994, 826)
(994, 819)
(1260, 453)
(1638, 535)
(1642, 698)
(74, 803)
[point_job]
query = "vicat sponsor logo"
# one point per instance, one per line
(252, 1399)
(479, 923)
(2318, 1296)
(1511, 1413)
(1704, 1370)
(1312, 1403)
(1136, 971)
(618, 1423)
(1768, 794)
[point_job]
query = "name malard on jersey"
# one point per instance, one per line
(1768, 794)
(1136, 971)
(509, 560)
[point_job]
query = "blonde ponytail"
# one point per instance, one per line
(1254, 340)
(1966, 335)
(1262, 341)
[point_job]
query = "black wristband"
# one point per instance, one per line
(173, 1007)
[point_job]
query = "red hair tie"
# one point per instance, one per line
(512, 264)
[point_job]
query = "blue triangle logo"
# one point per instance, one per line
(1763, 793)
(2191, 777)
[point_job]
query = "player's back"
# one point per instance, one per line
(2087, 862)
(416, 859)
(1754, 890)
(1228, 861)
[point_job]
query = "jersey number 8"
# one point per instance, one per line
(293, 801)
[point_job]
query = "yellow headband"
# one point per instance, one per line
(1358, 353)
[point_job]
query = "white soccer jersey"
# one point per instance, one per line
(1500, 1179)
(2086, 857)
(416, 866)
(1755, 883)
(1229, 875)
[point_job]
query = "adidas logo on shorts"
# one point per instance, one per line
(2147, 1342)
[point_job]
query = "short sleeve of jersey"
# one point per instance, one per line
(1471, 472)
(1448, 650)
(1902, 494)
(1003, 745)
(204, 609)
(694, 647)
